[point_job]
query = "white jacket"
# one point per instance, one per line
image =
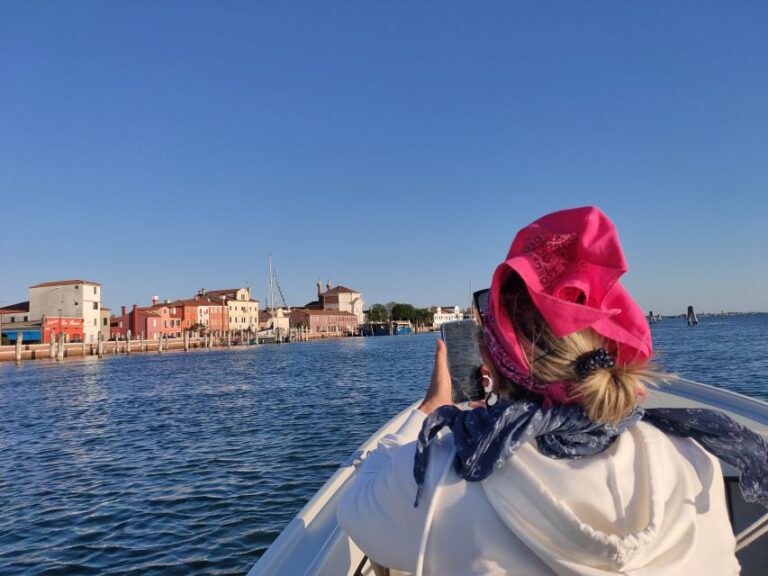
(651, 504)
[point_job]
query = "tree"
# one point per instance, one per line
(423, 317)
(403, 312)
(378, 313)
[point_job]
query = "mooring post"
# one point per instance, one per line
(100, 346)
(52, 346)
(128, 343)
(159, 343)
(19, 340)
(229, 339)
(141, 341)
(186, 341)
(117, 345)
(60, 350)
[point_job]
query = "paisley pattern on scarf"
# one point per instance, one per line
(485, 437)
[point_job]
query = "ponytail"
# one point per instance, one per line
(607, 392)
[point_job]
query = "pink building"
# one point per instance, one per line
(329, 322)
(139, 321)
(154, 321)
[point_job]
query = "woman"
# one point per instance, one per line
(561, 472)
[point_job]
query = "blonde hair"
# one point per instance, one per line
(606, 394)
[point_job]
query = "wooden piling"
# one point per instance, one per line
(52, 346)
(100, 346)
(128, 343)
(229, 339)
(19, 340)
(60, 349)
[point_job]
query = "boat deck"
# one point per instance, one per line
(313, 543)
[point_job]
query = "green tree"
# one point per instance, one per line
(378, 313)
(423, 317)
(403, 312)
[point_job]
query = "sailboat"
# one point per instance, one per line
(278, 329)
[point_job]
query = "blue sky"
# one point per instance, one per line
(392, 147)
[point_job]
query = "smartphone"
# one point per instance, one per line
(463, 360)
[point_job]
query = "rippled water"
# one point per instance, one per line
(193, 463)
(731, 352)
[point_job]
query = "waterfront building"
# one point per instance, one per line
(338, 298)
(14, 319)
(139, 321)
(445, 314)
(17, 318)
(73, 299)
(191, 312)
(275, 318)
(151, 322)
(71, 307)
(170, 319)
(104, 327)
(324, 322)
(242, 310)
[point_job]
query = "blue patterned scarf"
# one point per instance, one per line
(485, 437)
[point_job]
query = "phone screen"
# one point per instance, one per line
(463, 360)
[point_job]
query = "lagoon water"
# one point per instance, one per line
(187, 463)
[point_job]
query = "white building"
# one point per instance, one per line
(445, 314)
(68, 299)
(343, 299)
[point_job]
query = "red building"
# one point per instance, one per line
(218, 317)
(160, 319)
(330, 322)
(52, 326)
(188, 312)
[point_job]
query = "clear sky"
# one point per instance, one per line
(392, 147)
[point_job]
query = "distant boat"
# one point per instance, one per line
(375, 329)
(401, 327)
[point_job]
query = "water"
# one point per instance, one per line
(193, 463)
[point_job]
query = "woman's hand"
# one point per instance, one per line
(439, 392)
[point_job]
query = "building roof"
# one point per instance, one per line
(14, 308)
(340, 290)
(224, 292)
(451, 308)
(64, 283)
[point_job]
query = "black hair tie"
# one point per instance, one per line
(589, 362)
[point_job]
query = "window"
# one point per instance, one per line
(95, 305)
(77, 303)
(26, 318)
(13, 318)
(77, 287)
(105, 322)
(95, 290)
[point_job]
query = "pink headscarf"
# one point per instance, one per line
(570, 262)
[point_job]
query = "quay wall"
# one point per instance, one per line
(8, 353)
